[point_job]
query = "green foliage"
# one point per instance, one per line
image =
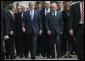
(6, 3)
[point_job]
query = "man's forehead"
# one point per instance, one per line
(47, 2)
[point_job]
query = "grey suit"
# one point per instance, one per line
(55, 25)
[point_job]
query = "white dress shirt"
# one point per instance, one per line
(55, 13)
(47, 11)
(12, 13)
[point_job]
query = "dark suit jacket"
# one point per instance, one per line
(66, 23)
(34, 25)
(4, 23)
(18, 24)
(11, 22)
(54, 23)
(66, 19)
(75, 16)
(4, 27)
(43, 17)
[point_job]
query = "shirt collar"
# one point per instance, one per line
(55, 13)
(11, 12)
(47, 10)
(61, 10)
(32, 10)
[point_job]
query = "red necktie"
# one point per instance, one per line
(83, 12)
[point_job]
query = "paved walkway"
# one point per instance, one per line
(74, 57)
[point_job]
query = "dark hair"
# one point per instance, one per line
(11, 6)
(38, 2)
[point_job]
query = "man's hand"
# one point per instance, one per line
(11, 32)
(49, 32)
(40, 32)
(71, 32)
(23, 30)
(6, 37)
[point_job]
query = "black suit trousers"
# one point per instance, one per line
(9, 45)
(79, 38)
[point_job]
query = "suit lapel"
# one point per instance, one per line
(56, 15)
(28, 13)
(11, 16)
(52, 17)
(44, 12)
(79, 11)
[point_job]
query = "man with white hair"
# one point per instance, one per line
(44, 40)
(54, 30)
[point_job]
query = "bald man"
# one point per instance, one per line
(44, 40)
(54, 30)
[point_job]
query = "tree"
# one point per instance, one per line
(4, 4)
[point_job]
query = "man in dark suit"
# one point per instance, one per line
(76, 26)
(44, 36)
(19, 42)
(4, 31)
(31, 26)
(60, 6)
(54, 27)
(10, 43)
(38, 5)
(38, 8)
(23, 9)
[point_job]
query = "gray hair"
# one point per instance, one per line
(22, 6)
(54, 4)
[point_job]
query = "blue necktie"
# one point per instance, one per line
(68, 13)
(31, 15)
